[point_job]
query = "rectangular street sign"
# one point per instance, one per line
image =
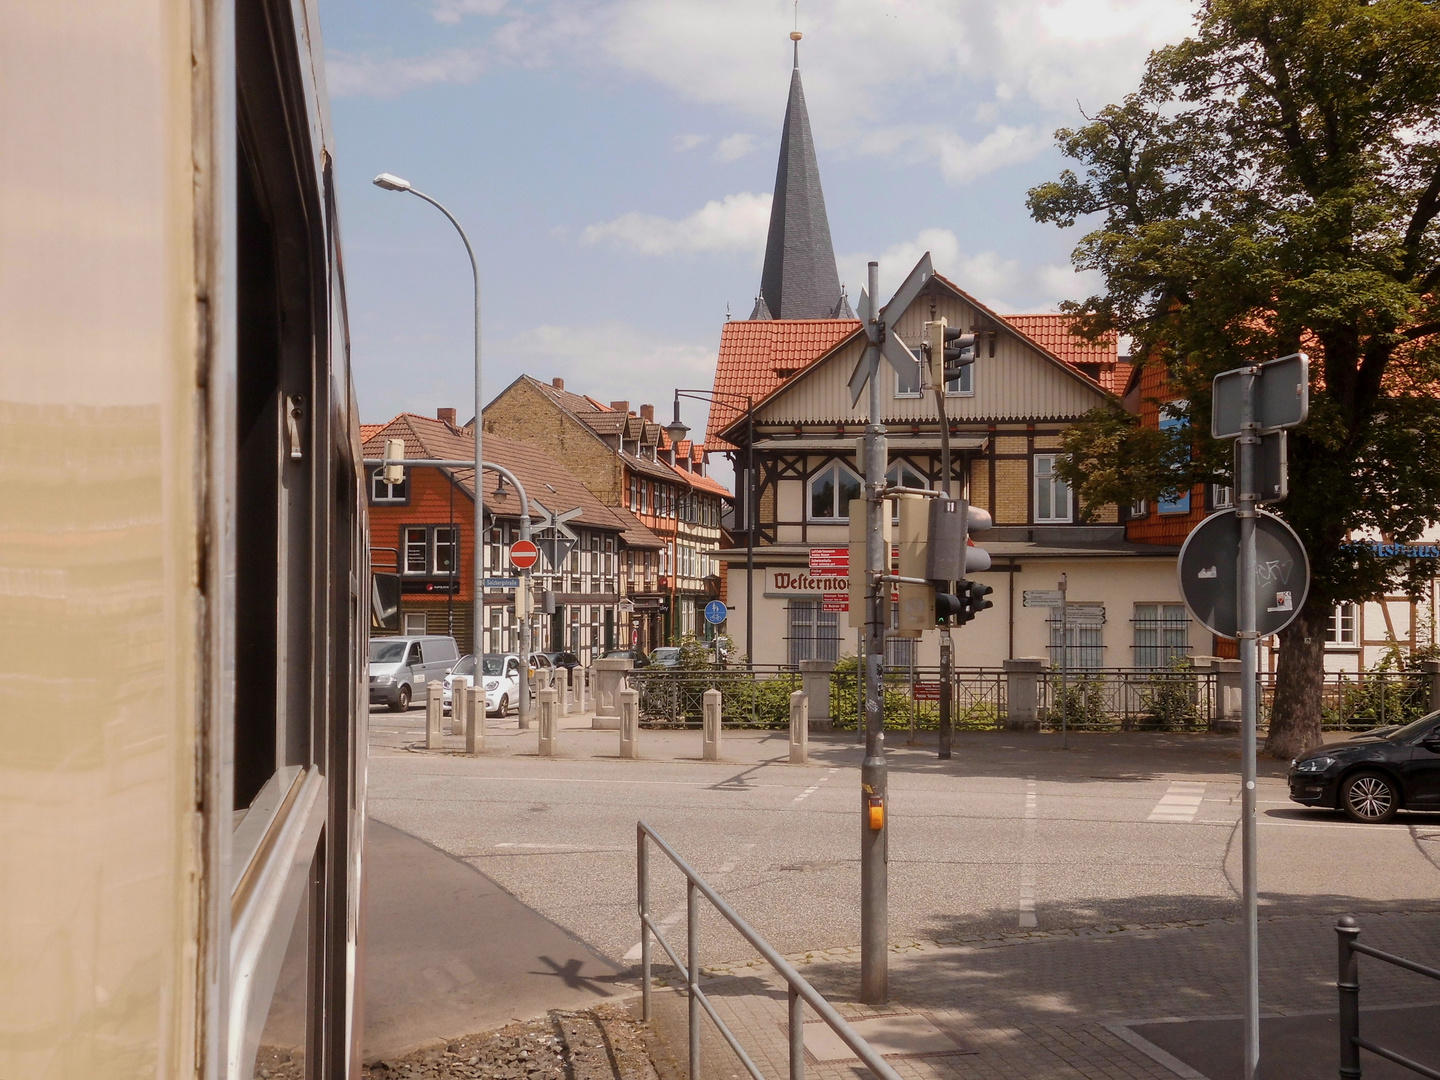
(502, 582)
(1084, 618)
(835, 602)
(1042, 597)
(1086, 605)
(1281, 396)
(1272, 467)
(830, 560)
(927, 691)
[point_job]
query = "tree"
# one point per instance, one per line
(1273, 186)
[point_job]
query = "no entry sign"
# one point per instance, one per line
(523, 554)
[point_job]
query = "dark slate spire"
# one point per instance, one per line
(799, 280)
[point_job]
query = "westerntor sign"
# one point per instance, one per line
(781, 581)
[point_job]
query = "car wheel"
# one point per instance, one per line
(504, 709)
(402, 700)
(1369, 797)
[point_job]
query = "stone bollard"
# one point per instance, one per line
(1432, 668)
(1227, 694)
(434, 716)
(458, 703)
(585, 703)
(629, 723)
(815, 681)
(799, 728)
(548, 709)
(712, 725)
(609, 674)
(474, 720)
(566, 691)
(1022, 693)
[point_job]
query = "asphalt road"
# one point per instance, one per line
(1120, 828)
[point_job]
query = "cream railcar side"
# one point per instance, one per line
(183, 570)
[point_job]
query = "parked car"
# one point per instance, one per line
(1372, 776)
(400, 667)
(665, 656)
(502, 681)
(567, 660)
(637, 655)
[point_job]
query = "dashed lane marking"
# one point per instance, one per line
(1180, 803)
(813, 787)
(1027, 866)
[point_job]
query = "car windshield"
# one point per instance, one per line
(665, 654)
(386, 652)
(492, 664)
(1414, 728)
(466, 666)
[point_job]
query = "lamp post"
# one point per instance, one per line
(390, 182)
(677, 431)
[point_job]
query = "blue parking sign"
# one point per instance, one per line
(715, 612)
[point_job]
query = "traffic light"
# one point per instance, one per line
(972, 600)
(947, 350)
(951, 555)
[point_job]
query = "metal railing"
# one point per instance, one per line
(801, 992)
(1348, 985)
(749, 697)
(1129, 699)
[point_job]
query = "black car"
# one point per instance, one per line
(637, 655)
(568, 660)
(1372, 776)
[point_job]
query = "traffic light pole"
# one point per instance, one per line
(874, 883)
(946, 644)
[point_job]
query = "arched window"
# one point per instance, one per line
(903, 474)
(831, 490)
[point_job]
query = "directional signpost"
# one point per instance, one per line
(1243, 573)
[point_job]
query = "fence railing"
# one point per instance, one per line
(1348, 985)
(801, 993)
(1099, 699)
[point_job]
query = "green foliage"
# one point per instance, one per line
(1170, 700)
(976, 716)
(1080, 702)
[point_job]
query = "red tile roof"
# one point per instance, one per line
(366, 430)
(1054, 333)
(757, 356)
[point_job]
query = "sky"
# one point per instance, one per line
(612, 163)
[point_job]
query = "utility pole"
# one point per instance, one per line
(1064, 662)
(1246, 513)
(946, 644)
(874, 828)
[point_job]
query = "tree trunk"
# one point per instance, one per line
(1299, 681)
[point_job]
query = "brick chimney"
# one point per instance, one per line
(445, 416)
(647, 413)
(621, 407)
(558, 383)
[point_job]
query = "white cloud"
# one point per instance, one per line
(736, 223)
(609, 360)
(452, 11)
(1004, 285)
(734, 147)
(688, 142)
(354, 74)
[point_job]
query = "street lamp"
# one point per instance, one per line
(391, 182)
(674, 427)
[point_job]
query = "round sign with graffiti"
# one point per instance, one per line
(1209, 566)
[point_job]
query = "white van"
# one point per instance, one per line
(400, 667)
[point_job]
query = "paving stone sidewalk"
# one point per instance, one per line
(1064, 1005)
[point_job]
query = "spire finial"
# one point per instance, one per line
(795, 34)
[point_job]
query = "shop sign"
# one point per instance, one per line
(795, 581)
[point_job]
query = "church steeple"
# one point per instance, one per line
(799, 280)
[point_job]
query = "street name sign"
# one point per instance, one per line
(1281, 396)
(835, 602)
(1209, 569)
(829, 560)
(502, 582)
(1042, 598)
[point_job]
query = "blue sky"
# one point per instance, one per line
(612, 162)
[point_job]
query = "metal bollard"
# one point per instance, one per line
(1348, 984)
(547, 722)
(799, 727)
(712, 725)
(474, 720)
(458, 702)
(434, 716)
(629, 723)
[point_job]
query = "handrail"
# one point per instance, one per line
(1348, 986)
(800, 989)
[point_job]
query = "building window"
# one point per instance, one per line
(414, 624)
(899, 651)
(812, 634)
(1162, 635)
(903, 474)
(831, 490)
(1341, 627)
(1139, 509)
(1222, 496)
(963, 384)
(446, 539)
(907, 382)
(1172, 418)
(1052, 494)
(416, 542)
(381, 492)
(1084, 645)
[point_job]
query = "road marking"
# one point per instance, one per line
(1027, 866)
(1181, 802)
(813, 787)
(1311, 825)
(679, 913)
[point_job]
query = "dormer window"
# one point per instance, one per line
(831, 490)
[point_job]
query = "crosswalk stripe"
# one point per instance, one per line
(1180, 803)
